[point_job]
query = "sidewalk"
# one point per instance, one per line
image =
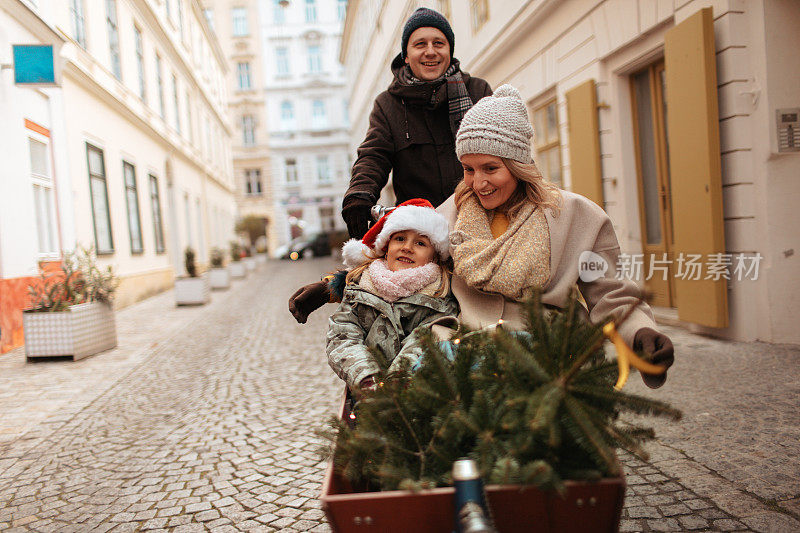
(202, 420)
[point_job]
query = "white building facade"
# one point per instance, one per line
(136, 141)
(678, 117)
(236, 26)
(307, 114)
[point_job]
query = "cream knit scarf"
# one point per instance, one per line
(393, 285)
(514, 263)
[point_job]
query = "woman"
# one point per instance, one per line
(413, 123)
(513, 233)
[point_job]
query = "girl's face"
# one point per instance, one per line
(408, 249)
(489, 178)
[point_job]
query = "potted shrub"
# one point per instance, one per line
(261, 254)
(71, 313)
(248, 260)
(193, 289)
(218, 276)
(537, 410)
(236, 266)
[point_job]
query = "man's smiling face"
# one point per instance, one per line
(428, 53)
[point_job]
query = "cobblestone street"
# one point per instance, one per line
(203, 419)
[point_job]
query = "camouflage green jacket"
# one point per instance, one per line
(365, 320)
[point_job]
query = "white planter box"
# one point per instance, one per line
(261, 259)
(219, 278)
(249, 263)
(237, 269)
(192, 291)
(80, 331)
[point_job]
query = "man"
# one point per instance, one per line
(411, 134)
(413, 123)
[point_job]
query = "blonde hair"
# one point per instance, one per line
(441, 291)
(531, 188)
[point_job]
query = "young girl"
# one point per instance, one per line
(398, 284)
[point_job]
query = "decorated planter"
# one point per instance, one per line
(237, 270)
(586, 507)
(80, 331)
(249, 263)
(192, 291)
(219, 278)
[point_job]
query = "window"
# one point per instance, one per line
(341, 6)
(479, 10)
(43, 196)
(113, 38)
(175, 105)
(282, 61)
(252, 182)
(104, 243)
(78, 22)
(547, 141)
(314, 59)
(160, 81)
(318, 115)
(291, 171)
(201, 248)
(327, 218)
(323, 169)
(243, 74)
(346, 111)
(140, 63)
(248, 130)
(189, 125)
(311, 11)
(180, 16)
(155, 206)
(239, 15)
(188, 219)
(287, 115)
(278, 12)
(132, 201)
(208, 13)
(168, 4)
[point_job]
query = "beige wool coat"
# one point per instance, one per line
(581, 225)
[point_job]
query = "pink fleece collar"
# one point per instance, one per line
(392, 286)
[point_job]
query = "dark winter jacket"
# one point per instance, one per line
(411, 138)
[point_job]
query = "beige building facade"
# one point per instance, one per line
(676, 116)
(237, 28)
(139, 137)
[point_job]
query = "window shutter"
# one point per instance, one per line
(584, 142)
(694, 160)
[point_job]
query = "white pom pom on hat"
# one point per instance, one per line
(416, 214)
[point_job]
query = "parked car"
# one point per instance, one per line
(315, 245)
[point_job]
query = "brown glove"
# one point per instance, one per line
(308, 299)
(660, 348)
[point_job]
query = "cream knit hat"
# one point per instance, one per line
(497, 125)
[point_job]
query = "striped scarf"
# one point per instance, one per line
(458, 99)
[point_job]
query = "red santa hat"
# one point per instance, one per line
(416, 214)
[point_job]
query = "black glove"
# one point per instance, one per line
(308, 299)
(356, 214)
(660, 348)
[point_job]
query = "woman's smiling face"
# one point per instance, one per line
(489, 178)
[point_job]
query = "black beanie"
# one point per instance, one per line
(427, 18)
